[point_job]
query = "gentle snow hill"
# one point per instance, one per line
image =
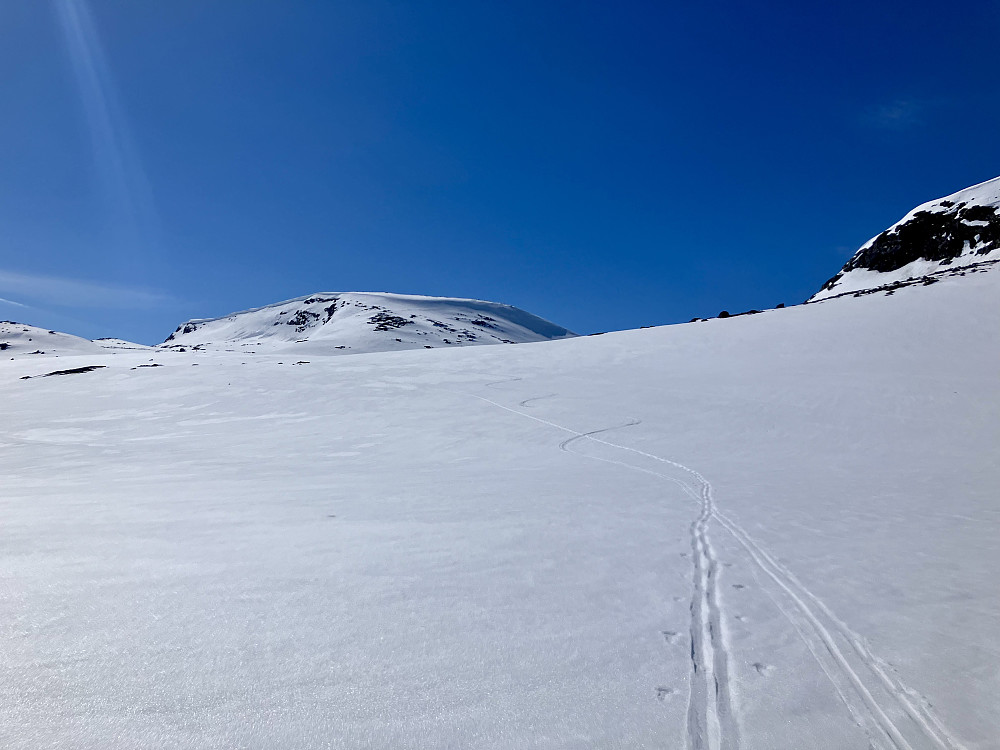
(360, 322)
(18, 339)
(944, 237)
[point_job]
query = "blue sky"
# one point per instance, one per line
(603, 165)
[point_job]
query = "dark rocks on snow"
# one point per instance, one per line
(930, 235)
(302, 320)
(186, 328)
(73, 371)
(386, 321)
(442, 326)
(926, 280)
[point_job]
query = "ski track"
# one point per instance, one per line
(496, 383)
(535, 398)
(867, 685)
(711, 720)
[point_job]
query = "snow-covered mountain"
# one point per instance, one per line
(945, 237)
(358, 322)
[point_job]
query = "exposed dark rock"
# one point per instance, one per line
(442, 326)
(73, 371)
(927, 280)
(186, 328)
(385, 321)
(929, 235)
(302, 320)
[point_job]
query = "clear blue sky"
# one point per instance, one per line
(604, 165)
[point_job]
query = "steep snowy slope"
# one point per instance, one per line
(771, 531)
(365, 322)
(944, 237)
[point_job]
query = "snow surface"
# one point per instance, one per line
(858, 279)
(771, 531)
(363, 322)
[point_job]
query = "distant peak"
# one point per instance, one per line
(358, 322)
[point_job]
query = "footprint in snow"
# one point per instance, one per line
(762, 669)
(662, 693)
(670, 636)
(739, 586)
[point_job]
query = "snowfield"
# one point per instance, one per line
(771, 531)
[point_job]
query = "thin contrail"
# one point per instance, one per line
(122, 177)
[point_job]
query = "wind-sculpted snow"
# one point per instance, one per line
(770, 531)
(355, 323)
(957, 231)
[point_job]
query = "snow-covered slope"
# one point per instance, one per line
(354, 323)
(17, 339)
(23, 341)
(771, 531)
(937, 239)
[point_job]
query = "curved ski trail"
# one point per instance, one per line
(711, 720)
(865, 683)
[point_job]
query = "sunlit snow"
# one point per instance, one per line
(771, 531)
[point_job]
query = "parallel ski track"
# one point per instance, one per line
(711, 720)
(857, 674)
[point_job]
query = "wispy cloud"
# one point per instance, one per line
(63, 292)
(898, 114)
(11, 302)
